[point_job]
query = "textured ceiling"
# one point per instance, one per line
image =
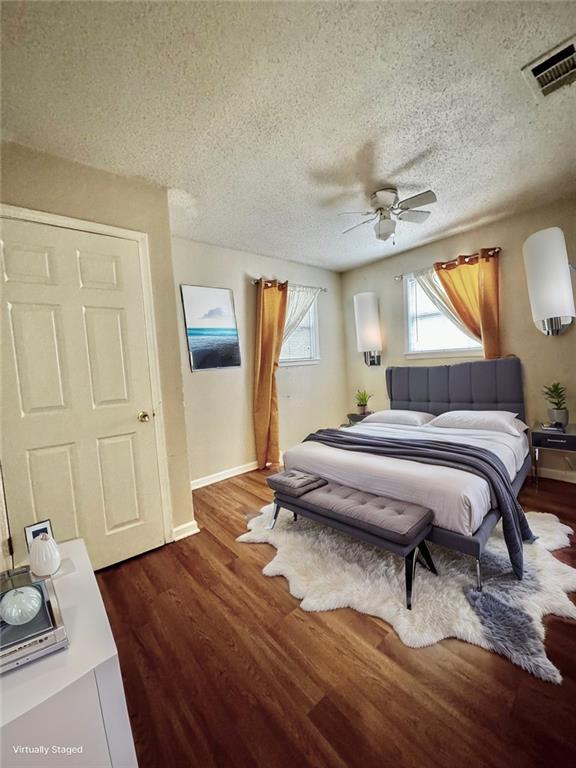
(270, 118)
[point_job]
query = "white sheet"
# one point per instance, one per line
(459, 500)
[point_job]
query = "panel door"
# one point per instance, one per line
(75, 375)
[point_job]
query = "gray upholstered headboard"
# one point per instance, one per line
(487, 385)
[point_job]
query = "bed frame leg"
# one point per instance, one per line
(274, 516)
(478, 575)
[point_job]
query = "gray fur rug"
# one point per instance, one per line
(326, 570)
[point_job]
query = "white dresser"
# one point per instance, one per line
(68, 709)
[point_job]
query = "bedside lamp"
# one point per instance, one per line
(548, 278)
(368, 334)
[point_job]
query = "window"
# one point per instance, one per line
(430, 330)
(302, 345)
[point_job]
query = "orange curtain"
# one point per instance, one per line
(471, 283)
(270, 317)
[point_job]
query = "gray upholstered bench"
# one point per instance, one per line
(396, 526)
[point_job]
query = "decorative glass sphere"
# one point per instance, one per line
(20, 605)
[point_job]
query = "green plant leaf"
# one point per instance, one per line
(555, 394)
(362, 397)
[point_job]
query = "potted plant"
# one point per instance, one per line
(362, 398)
(555, 394)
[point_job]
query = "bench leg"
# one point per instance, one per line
(409, 568)
(274, 516)
(295, 516)
(427, 557)
(478, 575)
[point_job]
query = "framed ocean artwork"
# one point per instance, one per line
(211, 331)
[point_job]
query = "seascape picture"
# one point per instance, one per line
(211, 330)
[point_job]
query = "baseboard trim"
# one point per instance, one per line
(200, 482)
(187, 529)
(565, 475)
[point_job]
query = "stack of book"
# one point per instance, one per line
(552, 427)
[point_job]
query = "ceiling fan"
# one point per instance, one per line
(387, 209)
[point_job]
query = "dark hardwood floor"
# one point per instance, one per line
(222, 668)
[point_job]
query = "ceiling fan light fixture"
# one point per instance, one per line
(384, 228)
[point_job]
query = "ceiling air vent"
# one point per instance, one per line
(552, 70)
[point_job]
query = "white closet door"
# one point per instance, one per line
(76, 375)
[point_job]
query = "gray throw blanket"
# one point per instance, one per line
(468, 458)
(293, 482)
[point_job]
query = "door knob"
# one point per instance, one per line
(143, 416)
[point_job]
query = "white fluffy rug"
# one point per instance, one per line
(327, 569)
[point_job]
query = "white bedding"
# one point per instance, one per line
(459, 500)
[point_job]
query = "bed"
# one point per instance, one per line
(460, 501)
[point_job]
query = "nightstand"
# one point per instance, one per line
(355, 418)
(543, 440)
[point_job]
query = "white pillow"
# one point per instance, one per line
(409, 418)
(496, 421)
(520, 426)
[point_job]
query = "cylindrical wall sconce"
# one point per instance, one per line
(368, 334)
(549, 283)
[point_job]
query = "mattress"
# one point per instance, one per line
(459, 500)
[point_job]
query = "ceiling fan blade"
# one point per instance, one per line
(424, 198)
(360, 224)
(356, 213)
(416, 217)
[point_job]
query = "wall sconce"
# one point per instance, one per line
(368, 335)
(548, 278)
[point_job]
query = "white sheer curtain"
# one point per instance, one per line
(300, 299)
(428, 280)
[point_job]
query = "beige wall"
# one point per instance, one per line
(219, 402)
(545, 359)
(42, 182)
